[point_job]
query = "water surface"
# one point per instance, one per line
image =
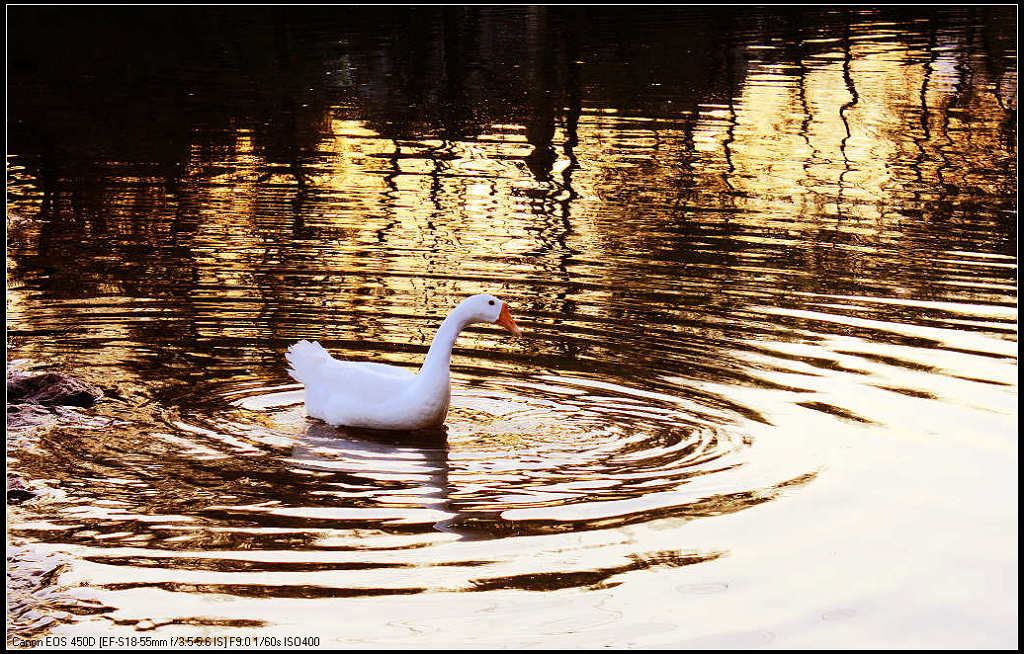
(765, 263)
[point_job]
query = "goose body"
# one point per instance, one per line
(379, 396)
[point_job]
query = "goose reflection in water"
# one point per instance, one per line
(386, 477)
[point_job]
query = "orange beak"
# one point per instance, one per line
(505, 320)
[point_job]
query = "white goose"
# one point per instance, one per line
(379, 396)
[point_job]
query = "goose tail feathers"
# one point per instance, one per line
(305, 358)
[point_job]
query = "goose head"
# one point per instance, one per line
(487, 308)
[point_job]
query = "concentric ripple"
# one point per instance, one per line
(514, 455)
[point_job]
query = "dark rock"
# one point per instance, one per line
(16, 491)
(50, 389)
(19, 495)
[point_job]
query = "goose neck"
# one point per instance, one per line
(438, 360)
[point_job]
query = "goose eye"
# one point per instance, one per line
(490, 302)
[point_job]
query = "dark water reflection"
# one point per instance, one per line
(766, 261)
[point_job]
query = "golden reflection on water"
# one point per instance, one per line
(771, 322)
